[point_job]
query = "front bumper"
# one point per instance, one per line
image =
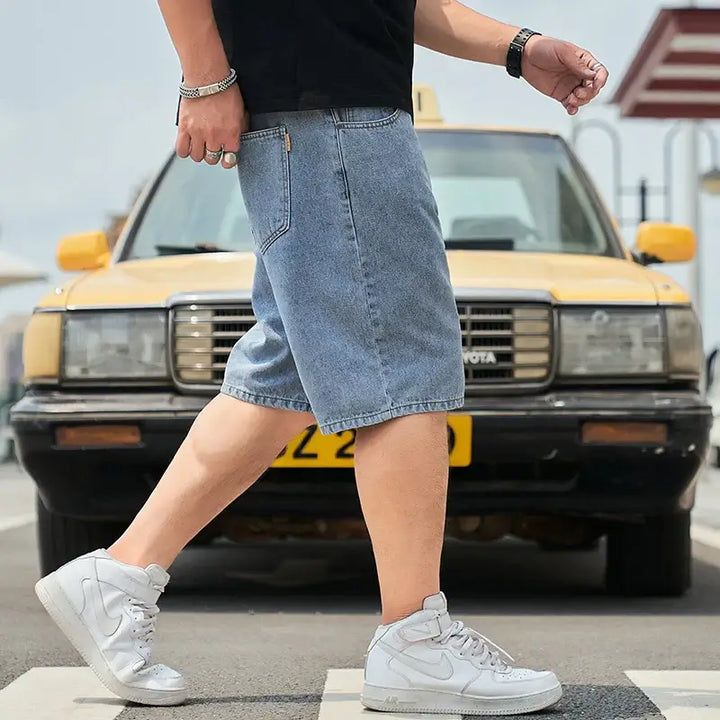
(528, 457)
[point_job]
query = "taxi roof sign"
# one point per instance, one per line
(425, 105)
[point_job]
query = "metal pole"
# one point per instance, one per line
(643, 192)
(714, 147)
(616, 142)
(692, 182)
(670, 136)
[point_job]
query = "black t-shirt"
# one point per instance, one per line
(311, 54)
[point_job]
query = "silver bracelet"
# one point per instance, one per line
(205, 90)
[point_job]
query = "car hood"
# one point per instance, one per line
(153, 282)
(567, 278)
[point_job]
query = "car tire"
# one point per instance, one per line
(652, 558)
(61, 539)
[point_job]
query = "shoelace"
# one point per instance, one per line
(470, 642)
(144, 615)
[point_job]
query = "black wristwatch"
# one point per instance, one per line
(516, 50)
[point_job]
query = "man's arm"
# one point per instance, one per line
(207, 123)
(451, 28)
(192, 28)
(561, 70)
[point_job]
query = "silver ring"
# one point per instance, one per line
(213, 154)
(230, 158)
(597, 66)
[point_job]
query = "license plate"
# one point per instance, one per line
(311, 449)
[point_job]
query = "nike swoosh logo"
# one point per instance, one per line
(93, 599)
(442, 670)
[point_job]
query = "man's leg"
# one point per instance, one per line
(402, 477)
(230, 444)
(419, 659)
(106, 602)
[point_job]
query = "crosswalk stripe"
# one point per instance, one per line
(681, 694)
(705, 535)
(17, 521)
(57, 693)
(341, 700)
(60, 693)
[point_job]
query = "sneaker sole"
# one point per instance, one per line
(431, 701)
(61, 611)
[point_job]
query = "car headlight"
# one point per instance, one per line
(685, 347)
(115, 345)
(612, 342)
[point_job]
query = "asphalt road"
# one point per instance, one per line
(260, 629)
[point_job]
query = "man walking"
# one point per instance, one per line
(356, 327)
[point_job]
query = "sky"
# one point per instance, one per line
(87, 115)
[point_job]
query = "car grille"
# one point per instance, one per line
(203, 336)
(506, 344)
(503, 344)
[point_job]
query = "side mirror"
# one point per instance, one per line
(86, 251)
(665, 243)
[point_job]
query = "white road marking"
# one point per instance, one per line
(56, 693)
(705, 535)
(341, 700)
(681, 694)
(15, 522)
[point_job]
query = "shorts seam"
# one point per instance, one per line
(264, 134)
(271, 400)
(368, 124)
(279, 132)
(393, 411)
(368, 302)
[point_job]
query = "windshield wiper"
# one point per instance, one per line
(189, 249)
(480, 244)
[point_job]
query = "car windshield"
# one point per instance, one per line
(495, 191)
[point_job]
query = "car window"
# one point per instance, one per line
(494, 191)
(194, 205)
(511, 192)
(501, 197)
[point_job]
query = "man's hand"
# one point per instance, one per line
(563, 71)
(211, 123)
(214, 122)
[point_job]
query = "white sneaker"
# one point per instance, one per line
(427, 663)
(107, 610)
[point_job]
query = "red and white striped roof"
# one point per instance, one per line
(676, 72)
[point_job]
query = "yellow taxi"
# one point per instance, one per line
(583, 414)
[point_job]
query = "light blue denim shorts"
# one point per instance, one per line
(356, 316)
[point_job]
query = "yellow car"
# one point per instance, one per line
(583, 416)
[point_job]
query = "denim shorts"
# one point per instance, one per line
(356, 315)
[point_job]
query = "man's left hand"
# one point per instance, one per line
(563, 71)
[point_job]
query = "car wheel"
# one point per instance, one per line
(652, 558)
(61, 539)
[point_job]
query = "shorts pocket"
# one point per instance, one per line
(368, 117)
(264, 171)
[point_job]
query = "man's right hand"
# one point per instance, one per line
(211, 123)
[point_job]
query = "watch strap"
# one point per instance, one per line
(516, 50)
